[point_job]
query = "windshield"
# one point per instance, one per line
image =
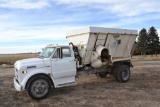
(47, 52)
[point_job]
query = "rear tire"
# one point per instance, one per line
(39, 87)
(123, 73)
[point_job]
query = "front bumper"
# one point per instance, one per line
(17, 86)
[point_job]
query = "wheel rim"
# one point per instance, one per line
(125, 74)
(39, 88)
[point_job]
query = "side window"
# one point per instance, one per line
(57, 53)
(66, 52)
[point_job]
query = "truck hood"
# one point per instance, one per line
(29, 63)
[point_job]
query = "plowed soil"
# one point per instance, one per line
(143, 90)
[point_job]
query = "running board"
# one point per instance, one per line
(67, 84)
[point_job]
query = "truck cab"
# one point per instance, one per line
(56, 66)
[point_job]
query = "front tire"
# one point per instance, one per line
(123, 73)
(39, 87)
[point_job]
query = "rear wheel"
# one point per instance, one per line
(39, 87)
(123, 73)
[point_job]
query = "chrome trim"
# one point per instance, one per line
(31, 67)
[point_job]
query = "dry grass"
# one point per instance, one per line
(146, 58)
(10, 59)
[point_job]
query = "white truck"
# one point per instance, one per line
(92, 50)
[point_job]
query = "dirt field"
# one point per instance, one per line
(143, 90)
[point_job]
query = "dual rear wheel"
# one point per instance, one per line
(121, 72)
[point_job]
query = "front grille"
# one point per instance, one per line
(16, 70)
(17, 81)
(16, 73)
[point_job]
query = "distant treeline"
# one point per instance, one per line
(148, 42)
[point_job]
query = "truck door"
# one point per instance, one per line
(63, 66)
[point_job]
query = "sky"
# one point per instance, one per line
(29, 25)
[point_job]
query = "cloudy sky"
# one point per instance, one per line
(29, 25)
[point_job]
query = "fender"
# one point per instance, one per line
(32, 72)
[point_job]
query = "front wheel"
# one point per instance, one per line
(123, 73)
(39, 87)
